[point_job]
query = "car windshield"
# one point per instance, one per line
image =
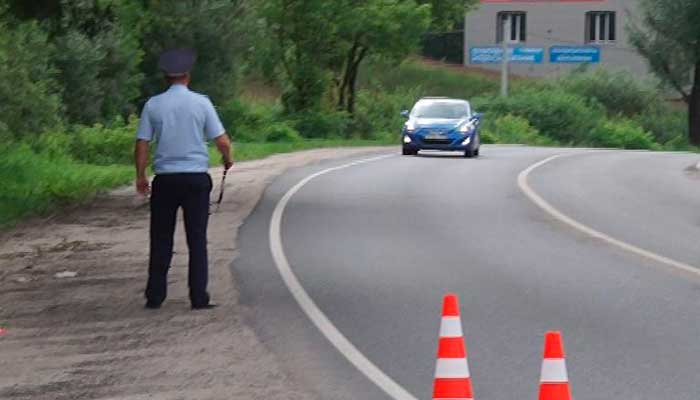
(441, 109)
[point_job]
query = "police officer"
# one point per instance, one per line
(179, 122)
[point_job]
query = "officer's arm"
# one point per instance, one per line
(223, 143)
(144, 134)
(141, 151)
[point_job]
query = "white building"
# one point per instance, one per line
(552, 36)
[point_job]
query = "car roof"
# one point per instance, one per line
(442, 100)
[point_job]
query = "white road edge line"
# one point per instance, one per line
(306, 303)
(558, 215)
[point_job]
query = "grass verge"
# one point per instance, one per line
(255, 151)
(40, 184)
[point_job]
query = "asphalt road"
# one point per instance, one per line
(376, 245)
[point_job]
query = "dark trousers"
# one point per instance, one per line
(168, 193)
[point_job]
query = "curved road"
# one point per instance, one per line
(377, 244)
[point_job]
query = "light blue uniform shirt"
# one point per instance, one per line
(180, 121)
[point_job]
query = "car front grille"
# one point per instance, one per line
(437, 141)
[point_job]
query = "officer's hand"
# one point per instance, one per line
(228, 164)
(143, 186)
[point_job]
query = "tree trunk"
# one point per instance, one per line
(343, 88)
(352, 82)
(694, 109)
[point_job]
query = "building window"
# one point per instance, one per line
(512, 26)
(600, 27)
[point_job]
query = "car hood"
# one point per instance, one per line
(439, 123)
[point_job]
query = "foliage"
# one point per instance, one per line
(29, 91)
(512, 129)
(379, 112)
(281, 132)
(245, 121)
(98, 56)
(100, 145)
(564, 117)
(255, 151)
(302, 34)
(619, 92)
(622, 133)
(322, 125)
(215, 28)
(34, 184)
(382, 29)
(445, 14)
(668, 38)
(665, 123)
(433, 80)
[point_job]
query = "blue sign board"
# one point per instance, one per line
(494, 55)
(574, 54)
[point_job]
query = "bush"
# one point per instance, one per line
(562, 116)
(512, 129)
(246, 122)
(34, 184)
(622, 133)
(664, 123)
(487, 137)
(620, 93)
(433, 80)
(379, 113)
(100, 145)
(322, 125)
(29, 92)
(54, 144)
(281, 132)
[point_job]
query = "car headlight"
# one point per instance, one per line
(410, 126)
(467, 127)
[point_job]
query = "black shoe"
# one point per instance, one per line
(208, 306)
(152, 306)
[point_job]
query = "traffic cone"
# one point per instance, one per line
(452, 379)
(554, 381)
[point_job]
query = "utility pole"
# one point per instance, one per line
(504, 59)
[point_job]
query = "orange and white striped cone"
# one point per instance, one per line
(452, 379)
(554, 381)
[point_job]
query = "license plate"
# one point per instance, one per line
(436, 136)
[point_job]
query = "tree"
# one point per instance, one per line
(670, 41)
(304, 40)
(446, 14)
(97, 53)
(29, 91)
(214, 28)
(388, 29)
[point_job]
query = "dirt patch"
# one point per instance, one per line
(72, 322)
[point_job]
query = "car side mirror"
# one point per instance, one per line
(476, 118)
(404, 113)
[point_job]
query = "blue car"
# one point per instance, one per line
(440, 123)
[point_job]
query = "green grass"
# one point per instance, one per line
(432, 79)
(36, 184)
(255, 151)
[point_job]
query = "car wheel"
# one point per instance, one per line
(469, 153)
(476, 152)
(406, 152)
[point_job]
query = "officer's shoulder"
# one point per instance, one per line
(154, 100)
(201, 96)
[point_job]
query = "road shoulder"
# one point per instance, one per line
(71, 303)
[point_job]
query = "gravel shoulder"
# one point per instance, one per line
(71, 304)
